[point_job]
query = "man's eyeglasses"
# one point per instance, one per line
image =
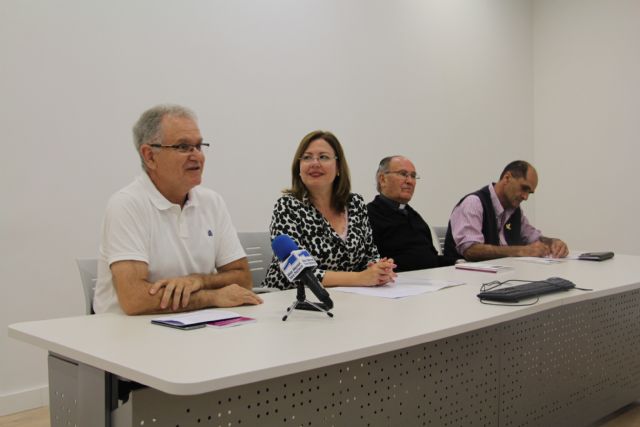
(183, 147)
(322, 158)
(405, 174)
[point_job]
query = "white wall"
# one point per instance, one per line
(446, 82)
(587, 121)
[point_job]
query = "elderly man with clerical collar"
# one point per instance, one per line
(398, 230)
(168, 244)
(489, 223)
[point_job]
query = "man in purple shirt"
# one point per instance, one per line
(489, 223)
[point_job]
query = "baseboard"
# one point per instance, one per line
(24, 400)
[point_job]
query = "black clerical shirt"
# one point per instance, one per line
(400, 233)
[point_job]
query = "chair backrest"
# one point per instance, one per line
(440, 233)
(257, 245)
(88, 273)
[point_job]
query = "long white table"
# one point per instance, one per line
(440, 358)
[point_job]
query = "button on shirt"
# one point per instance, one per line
(466, 222)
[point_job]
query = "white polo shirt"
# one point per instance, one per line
(140, 224)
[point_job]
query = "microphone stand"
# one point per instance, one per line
(302, 303)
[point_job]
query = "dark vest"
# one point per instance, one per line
(489, 225)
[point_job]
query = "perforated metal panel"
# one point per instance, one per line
(78, 394)
(568, 366)
(452, 382)
(63, 392)
(572, 365)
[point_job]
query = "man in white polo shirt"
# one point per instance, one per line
(168, 244)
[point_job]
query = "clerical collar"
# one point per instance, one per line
(392, 203)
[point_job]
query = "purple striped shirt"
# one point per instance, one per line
(466, 222)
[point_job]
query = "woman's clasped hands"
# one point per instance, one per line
(379, 273)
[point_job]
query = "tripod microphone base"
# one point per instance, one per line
(307, 305)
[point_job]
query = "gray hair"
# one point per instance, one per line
(383, 167)
(147, 129)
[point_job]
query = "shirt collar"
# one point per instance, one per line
(392, 203)
(156, 197)
(497, 206)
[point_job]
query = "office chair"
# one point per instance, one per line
(257, 245)
(88, 268)
(440, 234)
(88, 273)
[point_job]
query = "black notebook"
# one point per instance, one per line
(595, 256)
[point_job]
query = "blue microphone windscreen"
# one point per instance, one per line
(282, 246)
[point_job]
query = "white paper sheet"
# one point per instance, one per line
(402, 287)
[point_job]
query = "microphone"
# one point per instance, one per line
(298, 264)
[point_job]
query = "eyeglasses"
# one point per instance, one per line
(183, 147)
(405, 174)
(322, 158)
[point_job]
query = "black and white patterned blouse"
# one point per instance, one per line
(311, 231)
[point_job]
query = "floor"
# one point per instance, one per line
(629, 416)
(33, 418)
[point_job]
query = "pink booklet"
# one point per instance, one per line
(235, 321)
